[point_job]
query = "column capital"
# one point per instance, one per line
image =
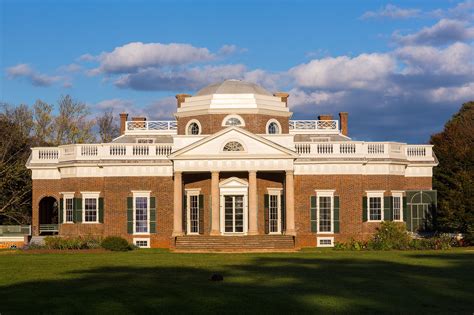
(290, 172)
(252, 172)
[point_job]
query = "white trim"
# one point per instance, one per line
(135, 239)
(138, 193)
(193, 192)
(240, 187)
(273, 120)
(90, 195)
(186, 131)
(398, 194)
(375, 194)
(242, 121)
(325, 193)
(275, 192)
(319, 239)
(67, 195)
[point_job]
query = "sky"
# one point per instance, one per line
(400, 69)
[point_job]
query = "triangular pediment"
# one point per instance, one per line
(252, 146)
(233, 182)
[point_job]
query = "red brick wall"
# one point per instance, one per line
(211, 124)
(350, 189)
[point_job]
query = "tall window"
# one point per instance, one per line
(194, 214)
(325, 217)
(141, 214)
(68, 206)
(193, 128)
(397, 206)
(90, 209)
(375, 207)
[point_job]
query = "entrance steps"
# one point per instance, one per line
(247, 243)
(37, 240)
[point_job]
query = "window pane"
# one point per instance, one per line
(141, 214)
(194, 214)
(396, 208)
(90, 208)
(69, 210)
(325, 214)
(375, 208)
(273, 213)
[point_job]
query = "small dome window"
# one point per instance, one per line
(233, 120)
(273, 127)
(233, 146)
(193, 128)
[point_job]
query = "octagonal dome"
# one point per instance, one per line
(233, 87)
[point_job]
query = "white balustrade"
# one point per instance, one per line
(314, 126)
(151, 127)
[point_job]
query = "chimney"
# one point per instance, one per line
(284, 97)
(325, 117)
(139, 122)
(181, 98)
(123, 121)
(343, 119)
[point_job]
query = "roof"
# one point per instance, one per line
(233, 87)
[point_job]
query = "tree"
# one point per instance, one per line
(72, 123)
(43, 119)
(108, 128)
(454, 176)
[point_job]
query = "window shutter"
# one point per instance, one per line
(336, 214)
(61, 210)
(387, 209)
(405, 209)
(130, 215)
(78, 210)
(152, 215)
(266, 210)
(364, 209)
(283, 212)
(101, 210)
(201, 214)
(313, 214)
(184, 215)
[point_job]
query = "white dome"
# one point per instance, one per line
(233, 87)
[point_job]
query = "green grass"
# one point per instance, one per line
(313, 281)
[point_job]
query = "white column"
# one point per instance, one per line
(178, 205)
(290, 203)
(253, 229)
(215, 206)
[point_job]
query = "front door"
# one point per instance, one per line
(234, 213)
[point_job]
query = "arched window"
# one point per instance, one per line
(193, 128)
(233, 146)
(233, 120)
(273, 127)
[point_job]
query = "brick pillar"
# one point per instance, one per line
(284, 97)
(290, 203)
(180, 98)
(325, 117)
(123, 122)
(253, 229)
(215, 206)
(178, 205)
(343, 120)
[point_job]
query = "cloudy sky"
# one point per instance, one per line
(400, 68)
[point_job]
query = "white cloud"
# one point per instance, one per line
(137, 55)
(300, 97)
(366, 71)
(462, 11)
(458, 94)
(35, 78)
(391, 11)
(226, 50)
(443, 32)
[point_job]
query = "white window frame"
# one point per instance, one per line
(275, 192)
(325, 193)
(242, 121)
(90, 195)
(189, 124)
(67, 195)
(398, 194)
(319, 239)
(268, 125)
(375, 194)
(191, 192)
(135, 239)
(141, 193)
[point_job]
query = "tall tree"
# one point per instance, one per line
(454, 177)
(72, 123)
(44, 127)
(108, 128)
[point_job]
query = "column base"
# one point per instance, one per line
(215, 233)
(177, 234)
(252, 233)
(290, 232)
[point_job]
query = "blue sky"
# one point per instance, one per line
(400, 68)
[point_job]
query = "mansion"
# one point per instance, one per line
(232, 172)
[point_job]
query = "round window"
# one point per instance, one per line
(193, 129)
(273, 128)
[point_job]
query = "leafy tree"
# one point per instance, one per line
(43, 127)
(108, 128)
(72, 123)
(454, 177)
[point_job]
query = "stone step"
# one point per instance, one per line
(235, 243)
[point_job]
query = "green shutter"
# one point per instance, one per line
(313, 214)
(61, 210)
(101, 210)
(184, 218)
(266, 213)
(78, 210)
(152, 215)
(405, 209)
(387, 209)
(283, 212)
(130, 215)
(201, 214)
(336, 214)
(364, 209)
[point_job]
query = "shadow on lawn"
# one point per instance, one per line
(261, 285)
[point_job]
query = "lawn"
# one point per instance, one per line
(313, 281)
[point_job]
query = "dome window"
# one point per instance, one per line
(233, 146)
(193, 128)
(233, 120)
(273, 127)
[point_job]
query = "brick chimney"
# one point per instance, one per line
(284, 97)
(139, 122)
(123, 121)
(325, 117)
(343, 120)
(181, 98)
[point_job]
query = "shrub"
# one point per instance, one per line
(437, 242)
(80, 242)
(116, 243)
(390, 235)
